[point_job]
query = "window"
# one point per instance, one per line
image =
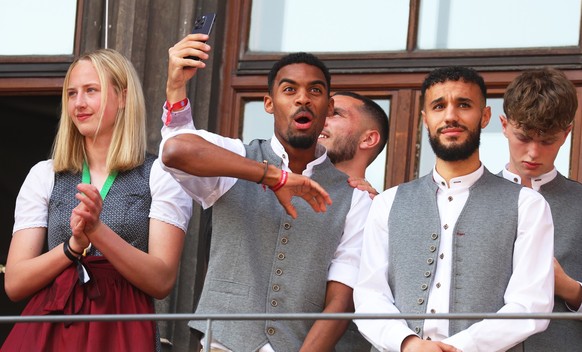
(33, 31)
(459, 24)
(396, 44)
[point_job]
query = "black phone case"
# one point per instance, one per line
(203, 24)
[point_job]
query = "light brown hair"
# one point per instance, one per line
(541, 100)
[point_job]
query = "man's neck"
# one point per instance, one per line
(299, 158)
(353, 168)
(451, 169)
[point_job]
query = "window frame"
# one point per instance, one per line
(39, 74)
(397, 75)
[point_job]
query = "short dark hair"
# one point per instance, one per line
(377, 114)
(542, 100)
(452, 73)
(298, 58)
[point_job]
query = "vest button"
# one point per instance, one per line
(424, 287)
(432, 248)
(429, 261)
(286, 226)
(427, 274)
(276, 288)
(284, 240)
(279, 272)
(281, 256)
(274, 303)
(420, 301)
(271, 331)
(434, 236)
(417, 330)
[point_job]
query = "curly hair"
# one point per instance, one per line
(542, 100)
(453, 73)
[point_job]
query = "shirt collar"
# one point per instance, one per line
(320, 156)
(460, 182)
(536, 183)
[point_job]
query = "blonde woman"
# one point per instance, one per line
(112, 220)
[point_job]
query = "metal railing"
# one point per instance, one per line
(283, 316)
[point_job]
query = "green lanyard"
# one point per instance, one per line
(106, 185)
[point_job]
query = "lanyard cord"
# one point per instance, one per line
(108, 182)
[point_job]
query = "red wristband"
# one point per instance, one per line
(170, 108)
(281, 183)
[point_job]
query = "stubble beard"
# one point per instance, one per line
(342, 149)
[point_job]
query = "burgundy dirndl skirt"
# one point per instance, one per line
(106, 293)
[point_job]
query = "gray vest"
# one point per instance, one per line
(565, 199)
(126, 207)
(263, 261)
(482, 247)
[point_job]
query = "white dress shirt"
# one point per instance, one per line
(530, 288)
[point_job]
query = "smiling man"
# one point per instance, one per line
(458, 240)
(540, 106)
(266, 258)
(355, 133)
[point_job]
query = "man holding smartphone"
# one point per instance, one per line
(264, 257)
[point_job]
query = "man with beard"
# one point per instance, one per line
(302, 256)
(354, 135)
(539, 107)
(458, 240)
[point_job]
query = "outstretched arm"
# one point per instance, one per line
(194, 155)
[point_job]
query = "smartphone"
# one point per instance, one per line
(203, 24)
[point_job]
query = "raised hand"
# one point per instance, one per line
(180, 69)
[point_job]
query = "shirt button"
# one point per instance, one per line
(442, 255)
(432, 248)
(276, 288)
(450, 198)
(434, 236)
(286, 226)
(284, 240)
(274, 303)
(443, 183)
(515, 180)
(279, 272)
(438, 285)
(271, 331)
(433, 311)
(281, 256)
(446, 226)
(429, 261)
